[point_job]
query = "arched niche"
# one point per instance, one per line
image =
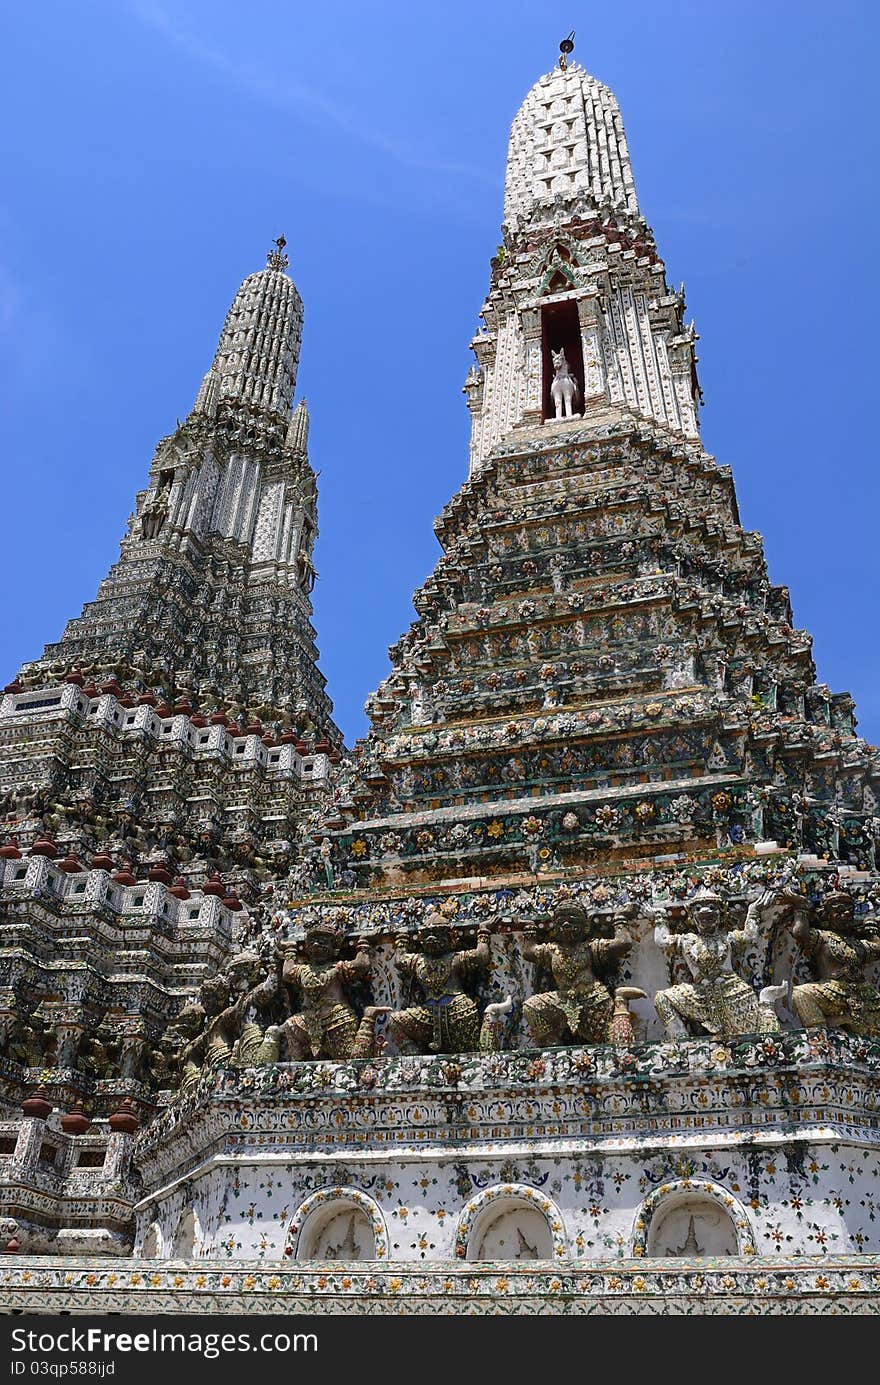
(338, 1224)
(692, 1220)
(693, 1227)
(339, 1233)
(186, 1235)
(510, 1223)
(561, 331)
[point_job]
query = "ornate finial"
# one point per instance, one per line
(298, 428)
(566, 47)
(276, 259)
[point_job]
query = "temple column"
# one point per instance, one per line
(533, 361)
(589, 315)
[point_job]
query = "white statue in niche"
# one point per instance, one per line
(344, 1235)
(517, 1233)
(692, 1228)
(564, 389)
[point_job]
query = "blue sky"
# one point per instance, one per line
(152, 149)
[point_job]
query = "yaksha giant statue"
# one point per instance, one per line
(581, 1008)
(840, 949)
(718, 1001)
(227, 1026)
(326, 1024)
(448, 1019)
(202, 1035)
(256, 987)
(184, 1046)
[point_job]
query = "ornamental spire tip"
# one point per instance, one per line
(566, 47)
(276, 259)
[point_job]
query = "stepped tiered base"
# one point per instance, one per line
(680, 1177)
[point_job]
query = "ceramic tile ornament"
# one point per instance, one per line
(558, 992)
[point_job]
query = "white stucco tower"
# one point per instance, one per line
(577, 270)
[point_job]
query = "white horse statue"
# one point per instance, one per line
(564, 389)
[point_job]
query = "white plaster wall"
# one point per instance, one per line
(801, 1199)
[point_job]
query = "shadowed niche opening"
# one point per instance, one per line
(691, 1228)
(339, 1232)
(511, 1230)
(561, 331)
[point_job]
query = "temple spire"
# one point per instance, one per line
(234, 477)
(298, 431)
(258, 352)
(568, 153)
(206, 399)
(578, 302)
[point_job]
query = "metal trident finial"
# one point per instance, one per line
(276, 259)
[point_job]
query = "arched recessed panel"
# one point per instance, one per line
(338, 1223)
(692, 1218)
(338, 1233)
(510, 1222)
(692, 1227)
(511, 1232)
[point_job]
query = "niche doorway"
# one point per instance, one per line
(561, 329)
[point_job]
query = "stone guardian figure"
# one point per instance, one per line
(258, 990)
(448, 1019)
(717, 999)
(326, 1024)
(840, 948)
(581, 1008)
